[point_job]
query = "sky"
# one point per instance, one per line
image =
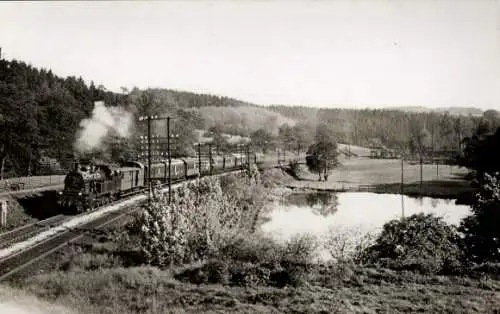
(319, 53)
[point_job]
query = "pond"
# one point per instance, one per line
(350, 213)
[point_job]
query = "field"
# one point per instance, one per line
(354, 150)
(357, 172)
(149, 290)
(31, 182)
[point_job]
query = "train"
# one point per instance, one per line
(88, 186)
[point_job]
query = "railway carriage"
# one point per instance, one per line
(219, 163)
(133, 176)
(239, 159)
(191, 165)
(259, 158)
(205, 165)
(159, 171)
(178, 169)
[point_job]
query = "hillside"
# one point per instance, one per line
(244, 119)
(454, 111)
(41, 116)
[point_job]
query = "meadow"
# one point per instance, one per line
(31, 182)
(384, 175)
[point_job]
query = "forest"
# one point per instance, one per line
(40, 115)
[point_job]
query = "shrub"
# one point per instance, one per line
(480, 229)
(248, 274)
(198, 222)
(420, 242)
(346, 245)
(250, 262)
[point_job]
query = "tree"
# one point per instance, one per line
(482, 152)
(303, 135)
(322, 155)
(493, 118)
(420, 138)
(481, 232)
(286, 136)
(261, 139)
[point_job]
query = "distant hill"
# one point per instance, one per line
(454, 111)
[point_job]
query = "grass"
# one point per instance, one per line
(32, 182)
(446, 189)
(16, 215)
(353, 290)
(92, 278)
(384, 176)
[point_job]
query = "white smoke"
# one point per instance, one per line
(104, 122)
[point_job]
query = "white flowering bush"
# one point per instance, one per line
(252, 173)
(200, 219)
(346, 244)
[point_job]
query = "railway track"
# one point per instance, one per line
(18, 262)
(22, 233)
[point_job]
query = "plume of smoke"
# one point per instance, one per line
(104, 121)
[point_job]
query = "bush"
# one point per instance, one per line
(480, 230)
(250, 262)
(420, 242)
(199, 221)
(346, 245)
(294, 169)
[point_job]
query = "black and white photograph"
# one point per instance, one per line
(250, 156)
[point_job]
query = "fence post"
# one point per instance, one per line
(3, 212)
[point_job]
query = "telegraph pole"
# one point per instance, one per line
(169, 162)
(210, 157)
(248, 154)
(402, 188)
(199, 158)
(149, 140)
(149, 161)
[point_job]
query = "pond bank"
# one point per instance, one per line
(458, 190)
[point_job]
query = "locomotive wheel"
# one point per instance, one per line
(79, 208)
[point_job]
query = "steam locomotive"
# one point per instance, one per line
(88, 186)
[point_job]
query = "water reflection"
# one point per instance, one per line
(320, 203)
(434, 202)
(316, 213)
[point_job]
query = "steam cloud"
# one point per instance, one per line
(104, 121)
